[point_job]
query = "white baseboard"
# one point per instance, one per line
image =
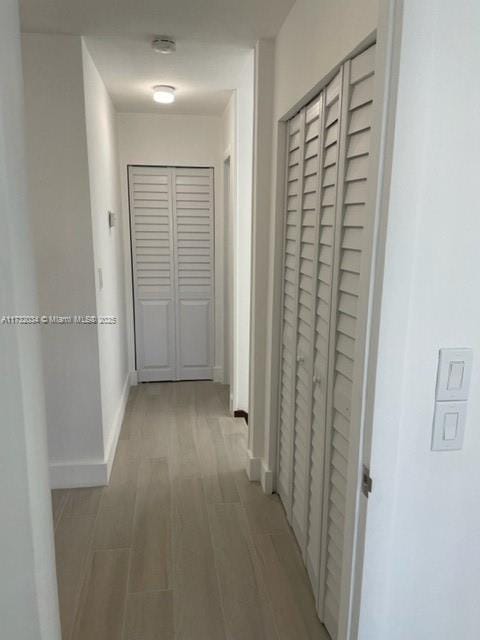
(266, 478)
(133, 378)
(218, 374)
(70, 475)
(92, 473)
(117, 425)
(253, 466)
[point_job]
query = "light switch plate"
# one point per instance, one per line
(453, 374)
(449, 426)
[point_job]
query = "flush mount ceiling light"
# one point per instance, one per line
(164, 94)
(164, 44)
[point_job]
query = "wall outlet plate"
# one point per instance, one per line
(453, 374)
(449, 426)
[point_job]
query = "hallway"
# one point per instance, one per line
(180, 544)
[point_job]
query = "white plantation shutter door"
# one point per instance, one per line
(325, 291)
(193, 205)
(341, 460)
(153, 271)
(324, 278)
(308, 241)
(171, 213)
(295, 150)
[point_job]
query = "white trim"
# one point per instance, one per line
(133, 378)
(71, 475)
(266, 478)
(218, 375)
(92, 473)
(253, 467)
(117, 426)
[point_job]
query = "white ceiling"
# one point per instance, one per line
(213, 41)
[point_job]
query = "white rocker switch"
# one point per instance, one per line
(454, 373)
(449, 426)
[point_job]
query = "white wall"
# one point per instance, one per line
(422, 559)
(60, 208)
(315, 37)
(28, 599)
(174, 140)
(262, 189)
(108, 248)
(229, 146)
(243, 233)
(73, 182)
(237, 140)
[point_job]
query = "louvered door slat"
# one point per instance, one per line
(153, 272)
(194, 271)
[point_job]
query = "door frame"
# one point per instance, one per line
(228, 280)
(216, 329)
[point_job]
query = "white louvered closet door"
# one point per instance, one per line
(294, 187)
(330, 130)
(350, 298)
(308, 242)
(172, 225)
(193, 206)
(153, 272)
(325, 297)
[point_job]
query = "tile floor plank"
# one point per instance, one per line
(72, 547)
(247, 611)
(217, 475)
(59, 499)
(266, 515)
(150, 565)
(149, 616)
(114, 525)
(197, 609)
(83, 502)
(288, 588)
(102, 607)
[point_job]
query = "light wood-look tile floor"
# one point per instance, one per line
(180, 545)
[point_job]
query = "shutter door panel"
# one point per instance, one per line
(153, 271)
(350, 243)
(324, 293)
(322, 315)
(193, 205)
(309, 228)
(295, 146)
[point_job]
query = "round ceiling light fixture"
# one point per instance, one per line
(164, 94)
(164, 44)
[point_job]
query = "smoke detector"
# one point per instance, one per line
(164, 44)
